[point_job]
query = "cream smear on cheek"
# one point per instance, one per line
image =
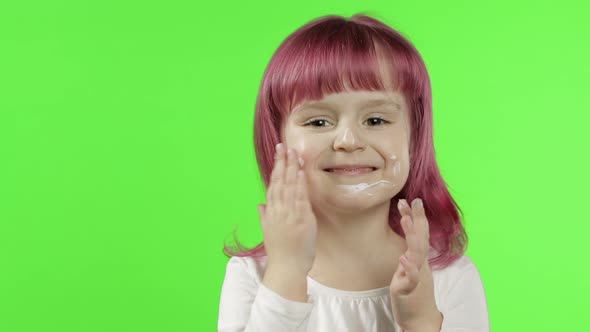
(397, 166)
(300, 152)
(353, 189)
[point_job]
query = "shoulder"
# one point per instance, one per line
(460, 296)
(460, 270)
(243, 276)
(460, 266)
(248, 267)
(460, 276)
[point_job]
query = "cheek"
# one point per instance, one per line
(306, 148)
(396, 157)
(400, 167)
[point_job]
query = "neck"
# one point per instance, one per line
(356, 237)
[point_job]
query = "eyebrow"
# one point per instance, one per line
(369, 104)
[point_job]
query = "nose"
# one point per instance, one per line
(348, 140)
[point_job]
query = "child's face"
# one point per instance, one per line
(343, 132)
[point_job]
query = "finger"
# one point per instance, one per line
(276, 177)
(407, 225)
(421, 224)
(403, 284)
(261, 208)
(422, 227)
(290, 177)
(420, 217)
(404, 210)
(301, 201)
(277, 157)
(269, 193)
(401, 270)
(403, 207)
(412, 272)
(413, 242)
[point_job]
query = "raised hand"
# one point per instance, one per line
(288, 224)
(412, 286)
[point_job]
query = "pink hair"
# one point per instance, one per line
(330, 54)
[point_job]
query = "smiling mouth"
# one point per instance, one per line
(350, 171)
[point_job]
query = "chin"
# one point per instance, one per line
(357, 201)
(328, 194)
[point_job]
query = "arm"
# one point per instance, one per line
(246, 306)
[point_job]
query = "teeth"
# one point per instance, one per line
(351, 169)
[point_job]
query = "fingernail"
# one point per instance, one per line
(400, 204)
(417, 202)
(279, 147)
(404, 259)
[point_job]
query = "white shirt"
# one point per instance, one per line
(247, 305)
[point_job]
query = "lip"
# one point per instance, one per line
(349, 166)
(354, 170)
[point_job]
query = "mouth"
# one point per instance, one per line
(353, 171)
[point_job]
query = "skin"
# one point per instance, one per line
(356, 249)
(412, 287)
(353, 228)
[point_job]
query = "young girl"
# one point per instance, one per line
(343, 137)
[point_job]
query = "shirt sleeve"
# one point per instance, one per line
(464, 307)
(246, 305)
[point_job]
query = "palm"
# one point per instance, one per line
(412, 286)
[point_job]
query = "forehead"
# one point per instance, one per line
(357, 100)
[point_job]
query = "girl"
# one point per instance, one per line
(343, 137)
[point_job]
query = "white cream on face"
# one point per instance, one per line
(356, 188)
(347, 137)
(300, 152)
(397, 166)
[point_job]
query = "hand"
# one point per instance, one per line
(288, 224)
(412, 286)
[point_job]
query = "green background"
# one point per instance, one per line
(126, 153)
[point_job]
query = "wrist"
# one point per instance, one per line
(290, 285)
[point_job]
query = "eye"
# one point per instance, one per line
(379, 121)
(323, 121)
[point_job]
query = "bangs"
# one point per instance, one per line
(332, 58)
